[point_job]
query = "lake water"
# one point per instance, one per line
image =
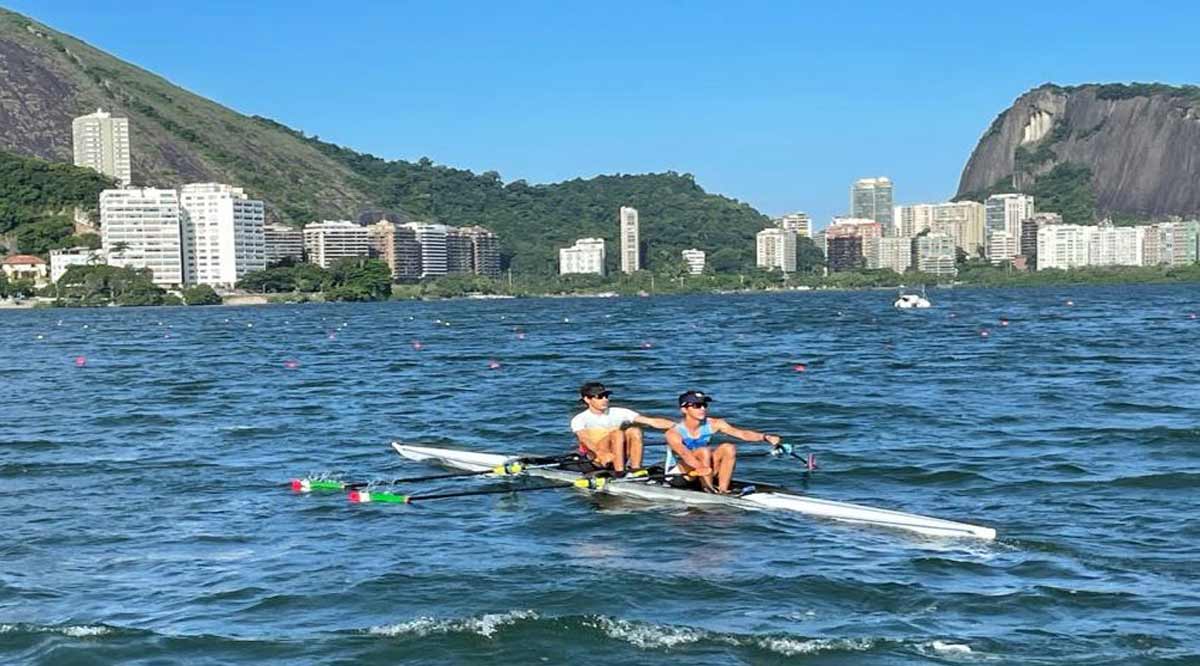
(144, 457)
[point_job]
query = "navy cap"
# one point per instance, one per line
(694, 398)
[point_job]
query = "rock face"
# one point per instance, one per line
(1141, 142)
(48, 78)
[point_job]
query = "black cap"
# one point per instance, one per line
(593, 390)
(694, 398)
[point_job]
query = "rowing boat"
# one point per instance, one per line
(763, 496)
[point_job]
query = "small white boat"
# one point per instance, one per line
(912, 301)
(757, 495)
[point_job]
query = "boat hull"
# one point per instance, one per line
(766, 499)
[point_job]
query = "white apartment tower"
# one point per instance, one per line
(630, 240)
(695, 260)
(435, 251)
(1004, 214)
(1063, 246)
(891, 252)
(912, 220)
(223, 234)
(102, 143)
(935, 254)
(139, 228)
(776, 248)
(1116, 246)
(871, 198)
(330, 240)
(283, 242)
(585, 256)
(798, 222)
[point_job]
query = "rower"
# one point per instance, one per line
(690, 441)
(609, 436)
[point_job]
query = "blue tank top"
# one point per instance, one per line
(699, 440)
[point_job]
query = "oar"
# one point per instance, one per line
(511, 468)
(587, 483)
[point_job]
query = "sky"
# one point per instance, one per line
(781, 105)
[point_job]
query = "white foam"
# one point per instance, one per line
(950, 648)
(485, 625)
(790, 647)
(648, 635)
(77, 631)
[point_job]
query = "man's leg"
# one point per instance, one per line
(633, 447)
(724, 461)
(704, 455)
(616, 446)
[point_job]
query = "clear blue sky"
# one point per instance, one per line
(778, 104)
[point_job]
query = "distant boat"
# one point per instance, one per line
(912, 301)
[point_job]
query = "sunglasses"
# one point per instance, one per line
(695, 406)
(602, 395)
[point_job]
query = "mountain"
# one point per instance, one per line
(47, 78)
(1131, 150)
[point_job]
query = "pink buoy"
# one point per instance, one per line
(984, 333)
(493, 365)
(952, 315)
(1003, 321)
(80, 361)
(416, 344)
(520, 336)
(800, 367)
(291, 364)
(646, 344)
(1192, 316)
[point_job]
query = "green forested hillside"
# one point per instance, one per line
(37, 199)
(533, 221)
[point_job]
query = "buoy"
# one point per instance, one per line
(493, 365)
(984, 333)
(80, 361)
(952, 315)
(800, 367)
(520, 336)
(1192, 316)
(291, 364)
(416, 344)
(1003, 321)
(40, 337)
(332, 335)
(647, 344)
(1069, 302)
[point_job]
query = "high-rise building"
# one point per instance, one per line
(283, 242)
(776, 248)
(964, 221)
(460, 252)
(139, 228)
(585, 256)
(891, 252)
(396, 245)
(485, 250)
(871, 198)
(631, 258)
(329, 241)
(935, 254)
(434, 248)
(797, 222)
(1004, 214)
(695, 261)
(912, 220)
(844, 253)
(222, 232)
(102, 143)
(1116, 246)
(865, 229)
(1029, 231)
(1063, 246)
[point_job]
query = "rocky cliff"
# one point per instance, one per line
(1141, 143)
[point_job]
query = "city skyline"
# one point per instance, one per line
(753, 112)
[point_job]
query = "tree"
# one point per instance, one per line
(358, 279)
(201, 294)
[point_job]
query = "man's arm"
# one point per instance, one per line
(723, 426)
(675, 441)
(654, 422)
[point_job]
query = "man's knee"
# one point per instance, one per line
(633, 434)
(727, 449)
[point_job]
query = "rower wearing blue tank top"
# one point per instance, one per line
(691, 442)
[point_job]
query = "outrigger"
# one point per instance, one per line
(646, 486)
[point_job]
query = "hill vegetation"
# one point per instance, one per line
(37, 200)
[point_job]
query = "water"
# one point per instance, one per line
(147, 521)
